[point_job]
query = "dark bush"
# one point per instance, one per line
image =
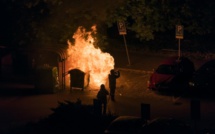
(68, 118)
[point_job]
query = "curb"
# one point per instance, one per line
(136, 70)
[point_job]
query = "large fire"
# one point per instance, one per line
(84, 56)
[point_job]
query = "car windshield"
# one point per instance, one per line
(166, 69)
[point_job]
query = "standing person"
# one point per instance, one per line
(102, 97)
(112, 82)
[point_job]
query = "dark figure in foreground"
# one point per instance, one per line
(112, 82)
(102, 97)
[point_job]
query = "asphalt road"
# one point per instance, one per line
(23, 106)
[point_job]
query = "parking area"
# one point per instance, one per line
(18, 109)
(130, 94)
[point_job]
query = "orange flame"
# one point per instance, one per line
(85, 57)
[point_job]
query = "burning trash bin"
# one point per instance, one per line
(46, 79)
(78, 79)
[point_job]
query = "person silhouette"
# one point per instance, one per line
(112, 82)
(102, 97)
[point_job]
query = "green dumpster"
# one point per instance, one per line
(46, 79)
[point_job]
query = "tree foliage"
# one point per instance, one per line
(20, 20)
(51, 22)
(146, 17)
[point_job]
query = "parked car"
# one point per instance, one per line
(125, 125)
(203, 80)
(173, 74)
(166, 126)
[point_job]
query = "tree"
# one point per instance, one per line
(146, 18)
(66, 16)
(51, 22)
(18, 21)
